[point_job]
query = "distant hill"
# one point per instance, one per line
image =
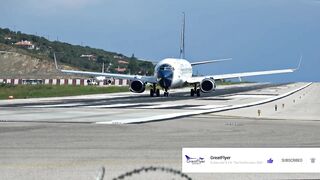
(17, 63)
(29, 53)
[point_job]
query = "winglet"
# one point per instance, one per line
(55, 61)
(299, 63)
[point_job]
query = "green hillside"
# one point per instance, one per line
(85, 58)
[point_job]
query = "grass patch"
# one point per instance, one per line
(36, 91)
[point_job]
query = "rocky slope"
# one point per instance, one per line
(18, 64)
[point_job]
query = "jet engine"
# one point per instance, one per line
(137, 86)
(207, 85)
(92, 82)
(108, 81)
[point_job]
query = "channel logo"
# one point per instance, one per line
(192, 160)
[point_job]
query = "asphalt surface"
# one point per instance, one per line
(41, 150)
(145, 98)
(136, 108)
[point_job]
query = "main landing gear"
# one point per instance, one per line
(154, 91)
(195, 90)
(166, 92)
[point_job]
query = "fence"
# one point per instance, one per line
(75, 82)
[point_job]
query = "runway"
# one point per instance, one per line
(132, 108)
(62, 138)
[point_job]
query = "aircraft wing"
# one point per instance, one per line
(193, 80)
(146, 79)
(246, 74)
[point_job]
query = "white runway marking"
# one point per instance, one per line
(252, 96)
(160, 106)
(208, 107)
(55, 105)
(197, 112)
(112, 105)
(269, 90)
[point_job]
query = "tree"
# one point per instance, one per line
(6, 31)
(133, 66)
(132, 57)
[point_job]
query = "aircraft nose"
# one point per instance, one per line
(165, 78)
(165, 74)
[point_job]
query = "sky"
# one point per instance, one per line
(257, 34)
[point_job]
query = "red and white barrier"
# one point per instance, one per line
(75, 82)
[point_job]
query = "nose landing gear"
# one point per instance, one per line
(166, 93)
(154, 91)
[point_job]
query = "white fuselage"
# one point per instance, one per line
(100, 78)
(180, 68)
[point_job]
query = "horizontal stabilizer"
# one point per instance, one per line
(210, 61)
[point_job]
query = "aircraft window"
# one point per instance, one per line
(166, 67)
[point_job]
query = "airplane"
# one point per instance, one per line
(172, 73)
(97, 79)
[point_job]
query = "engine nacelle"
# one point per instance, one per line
(109, 81)
(137, 86)
(207, 85)
(92, 82)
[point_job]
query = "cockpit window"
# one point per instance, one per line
(166, 67)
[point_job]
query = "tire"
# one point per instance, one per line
(158, 92)
(151, 92)
(166, 94)
(192, 92)
(198, 92)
